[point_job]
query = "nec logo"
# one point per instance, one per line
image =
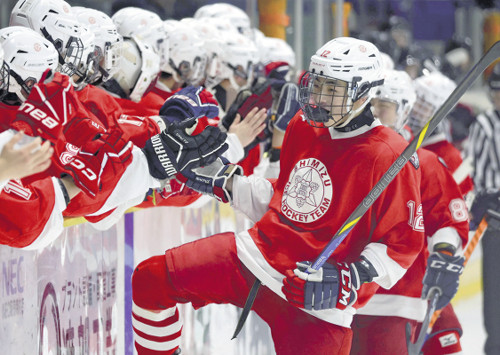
(39, 115)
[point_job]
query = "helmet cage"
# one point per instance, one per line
(321, 99)
(93, 70)
(213, 71)
(421, 112)
(4, 78)
(73, 53)
(26, 84)
(111, 56)
(191, 75)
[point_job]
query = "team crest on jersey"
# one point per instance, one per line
(308, 192)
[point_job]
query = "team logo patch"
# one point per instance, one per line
(448, 340)
(414, 160)
(308, 192)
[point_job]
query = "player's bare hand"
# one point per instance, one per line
(249, 128)
(27, 160)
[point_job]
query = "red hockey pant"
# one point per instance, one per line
(209, 271)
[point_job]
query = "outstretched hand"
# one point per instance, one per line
(249, 128)
(31, 158)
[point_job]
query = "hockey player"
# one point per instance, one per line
(333, 153)
(108, 43)
(55, 21)
(432, 90)
(43, 200)
(17, 162)
(113, 163)
(148, 28)
(380, 326)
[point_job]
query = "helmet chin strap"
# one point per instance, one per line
(352, 114)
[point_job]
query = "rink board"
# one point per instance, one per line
(74, 297)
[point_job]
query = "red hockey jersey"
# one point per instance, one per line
(452, 158)
(445, 220)
(324, 176)
(31, 214)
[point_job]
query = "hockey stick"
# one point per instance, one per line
(486, 60)
(414, 348)
(432, 315)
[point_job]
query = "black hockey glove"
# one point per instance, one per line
(288, 106)
(442, 273)
(484, 201)
(211, 179)
(191, 101)
(332, 286)
(175, 149)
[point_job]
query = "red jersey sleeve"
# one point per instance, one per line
(30, 212)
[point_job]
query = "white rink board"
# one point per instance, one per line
(71, 297)
(62, 299)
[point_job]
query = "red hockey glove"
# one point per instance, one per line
(53, 109)
(211, 179)
(45, 111)
(100, 163)
(190, 102)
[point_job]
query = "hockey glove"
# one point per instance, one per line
(332, 286)
(288, 106)
(190, 102)
(442, 273)
(484, 201)
(53, 109)
(176, 149)
(277, 72)
(211, 179)
(45, 111)
(100, 163)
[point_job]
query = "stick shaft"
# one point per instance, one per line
(490, 56)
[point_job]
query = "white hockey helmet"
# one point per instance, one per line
(27, 55)
(387, 62)
(432, 91)
(234, 14)
(398, 89)
(188, 55)
(145, 25)
(341, 72)
(169, 25)
(138, 71)
(108, 42)
(241, 57)
(57, 23)
(275, 50)
(214, 47)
